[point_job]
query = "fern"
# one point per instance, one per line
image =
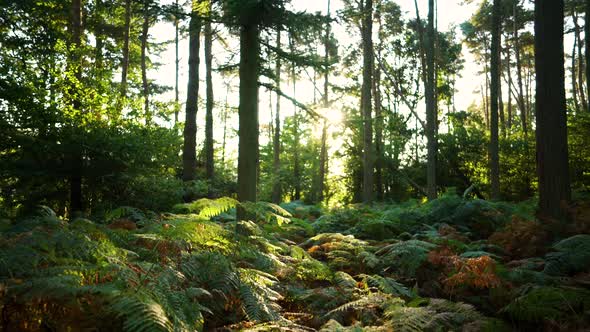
(541, 303)
(267, 212)
(404, 258)
(572, 255)
(386, 285)
(206, 208)
(258, 298)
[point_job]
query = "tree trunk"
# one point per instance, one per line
(509, 71)
(225, 114)
(587, 45)
(75, 178)
(431, 117)
(575, 78)
(248, 153)
(578, 41)
(326, 102)
(125, 63)
(209, 152)
(144, 79)
(551, 134)
(296, 161)
(277, 190)
(189, 151)
(176, 63)
(366, 107)
(494, 92)
(378, 115)
(520, 101)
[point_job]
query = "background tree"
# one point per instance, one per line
(552, 150)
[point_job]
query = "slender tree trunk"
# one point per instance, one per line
(176, 62)
(75, 178)
(520, 101)
(326, 102)
(587, 46)
(125, 63)
(509, 72)
(500, 94)
(581, 69)
(144, 79)
(575, 78)
(189, 151)
(551, 133)
(277, 190)
(209, 152)
(431, 118)
(378, 114)
(248, 153)
(296, 161)
(494, 92)
(225, 114)
(366, 107)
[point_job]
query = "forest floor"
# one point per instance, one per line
(451, 264)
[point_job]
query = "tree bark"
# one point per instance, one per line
(577, 33)
(431, 116)
(521, 103)
(366, 98)
(277, 190)
(551, 119)
(326, 102)
(176, 63)
(209, 152)
(575, 78)
(378, 114)
(296, 161)
(587, 46)
(248, 153)
(189, 153)
(494, 92)
(125, 63)
(144, 79)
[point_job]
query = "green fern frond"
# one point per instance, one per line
(540, 303)
(207, 208)
(140, 313)
(572, 255)
(387, 285)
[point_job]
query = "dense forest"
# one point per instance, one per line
(278, 165)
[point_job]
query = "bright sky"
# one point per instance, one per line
(450, 13)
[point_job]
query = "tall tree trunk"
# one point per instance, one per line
(575, 78)
(125, 63)
(378, 113)
(144, 79)
(326, 102)
(366, 106)
(209, 156)
(500, 90)
(225, 114)
(520, 101)
(248, 153)
(587, 46)
(277, 190)
(509, 72)
(176, 62)
(551, 134)
(581, 69)
(296, 161)
(494, 92)
(75, 178)
(189, 151)
(431, 116)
